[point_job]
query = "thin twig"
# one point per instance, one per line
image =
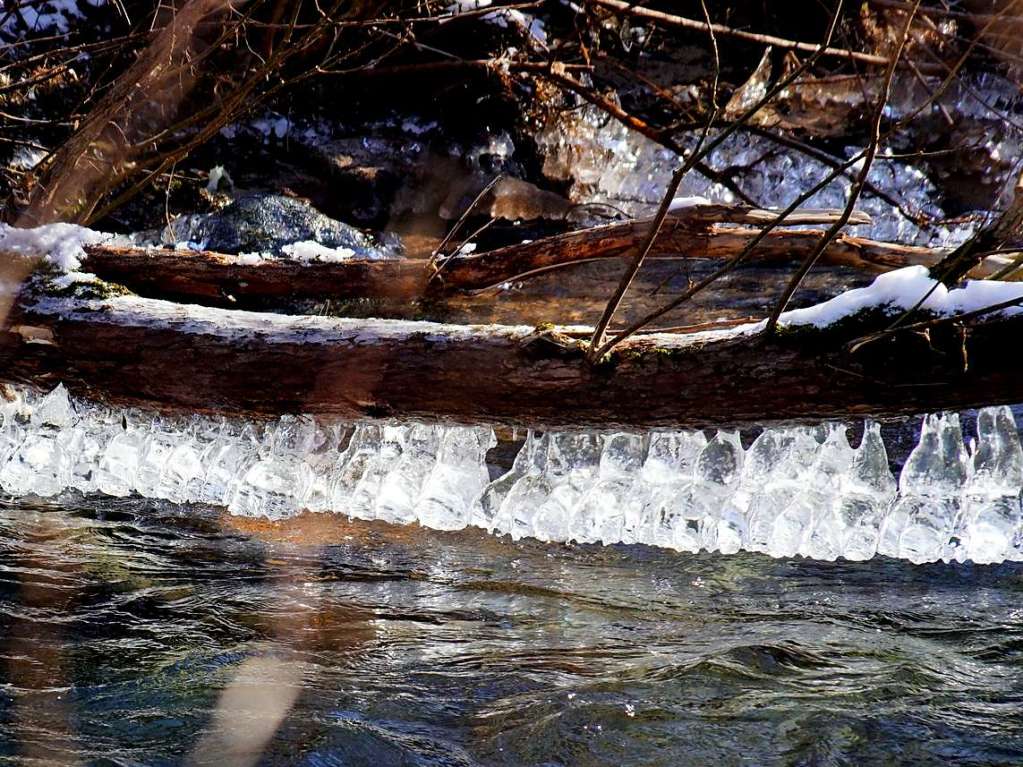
(597, 346)
(854, 189)
(725, 268)
(438, 251)
(720, 29)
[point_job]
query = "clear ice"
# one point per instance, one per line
(609, 164)
(794, 491)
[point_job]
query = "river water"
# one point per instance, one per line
(140, 632)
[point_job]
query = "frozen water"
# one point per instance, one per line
(991, 516)
(795, 491)
(607, 163)
(457, 479)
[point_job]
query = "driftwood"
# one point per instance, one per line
(690, 234)
(158, 354)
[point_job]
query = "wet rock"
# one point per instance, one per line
(366, 173)
(267, 223)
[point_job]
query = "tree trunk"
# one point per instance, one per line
(136, 351)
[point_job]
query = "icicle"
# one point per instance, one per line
(400, 489)
(527, 493)
(604, 511)
(991, 518)
(457, 479)
(920, 524)
(800, 490)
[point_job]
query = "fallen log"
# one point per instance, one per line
(220, 279)
(135, 351)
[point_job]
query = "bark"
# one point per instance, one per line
(216, 278)
(1007, 225)
(135, 351)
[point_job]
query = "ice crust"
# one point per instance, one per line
(793, 491)
(609, 164)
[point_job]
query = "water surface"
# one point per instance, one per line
(137, 632)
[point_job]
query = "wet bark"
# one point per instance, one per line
(218, 279)
(134, 351)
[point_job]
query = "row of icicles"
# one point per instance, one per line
(796, 490)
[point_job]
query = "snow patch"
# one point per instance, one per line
(251, 259)
(464, 6)
(40, 17)
(218, 175)
(60, 244)
(70, 279)
(903, 289)
(530, 24)
(680, 203)
(309, 250)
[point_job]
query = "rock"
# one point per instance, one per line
(266, 223)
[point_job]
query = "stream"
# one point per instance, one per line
(140, 632)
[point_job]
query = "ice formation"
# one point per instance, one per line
(395, 472)
(607, 163)
(793, 491)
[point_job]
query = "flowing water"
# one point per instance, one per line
(141, 632)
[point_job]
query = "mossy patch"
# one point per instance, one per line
(51, 282)
(840, 332)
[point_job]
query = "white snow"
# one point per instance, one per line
(680, 203)
(69, 279)
(60, 244)
(309, 250)
(902, 289)
(502, 17)
(532, 25)
(42, 17)
(464, 6)
(217, 174)
(189, 245)
(251, 259)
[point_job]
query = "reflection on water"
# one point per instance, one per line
(142, 633)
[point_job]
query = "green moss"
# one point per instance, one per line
(44, 281)
(854, 326)
(96, 289)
